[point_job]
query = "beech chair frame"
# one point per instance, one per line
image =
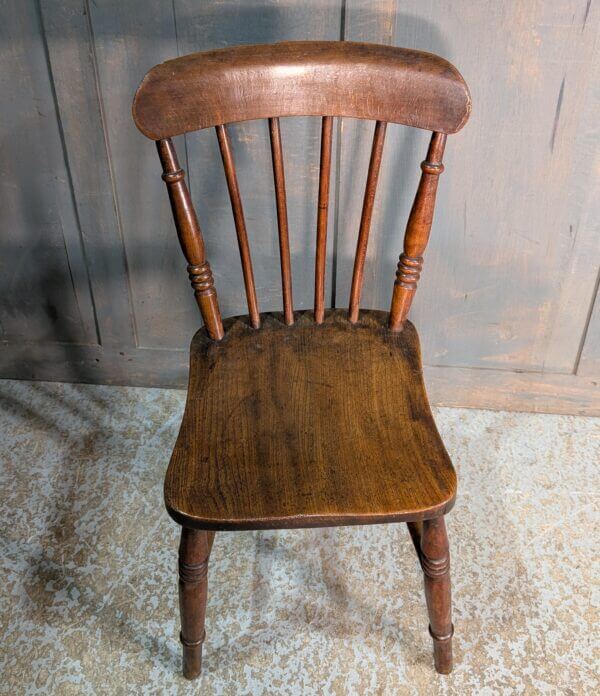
(326, 79)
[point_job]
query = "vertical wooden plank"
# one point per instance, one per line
(584, 259)
(589, 362)
(203, 26)
(71, 49)
(130, 38)
(44, 286)
(493, 292)
(581, 246)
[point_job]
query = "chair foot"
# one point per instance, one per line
(192, 657)
(194, 552)
(435, 561)
(442, 651)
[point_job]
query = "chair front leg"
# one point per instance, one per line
(435, 561)
(194, 552)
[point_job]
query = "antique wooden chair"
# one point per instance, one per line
(302, 420)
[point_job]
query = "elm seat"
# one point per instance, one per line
(307, 425)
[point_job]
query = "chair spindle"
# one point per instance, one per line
(240, 223)
(282, 220)
(365, 220)
(190, 238)
(322, 213)
(417, 232)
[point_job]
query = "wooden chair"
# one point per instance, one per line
(302, 419)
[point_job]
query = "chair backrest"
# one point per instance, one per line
(302, 78)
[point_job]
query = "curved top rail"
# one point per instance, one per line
(301, 78)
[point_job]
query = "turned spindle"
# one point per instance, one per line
(239, 222)
(365, 220)
(322, 213)
(282, 220)
(190, 238)
(417, 233)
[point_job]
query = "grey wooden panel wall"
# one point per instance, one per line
(94, 286)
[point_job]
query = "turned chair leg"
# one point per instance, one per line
(194, 551)
(431, 541)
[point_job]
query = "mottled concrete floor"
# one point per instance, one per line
(88, 591)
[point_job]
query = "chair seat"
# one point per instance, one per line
(307, 425)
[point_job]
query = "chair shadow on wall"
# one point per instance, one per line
(93, 408)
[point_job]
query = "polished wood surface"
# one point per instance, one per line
(322, 213)
(282, 220)
(194, 552)
(365, 219)
(301, 78)
(431, 543)
(308, 425)
(280, 56)
(417, 233)
(239, 222)
(190, 238)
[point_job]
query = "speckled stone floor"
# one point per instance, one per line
(88, 591)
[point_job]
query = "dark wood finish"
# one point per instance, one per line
(301, 78)
(240, 223)
(313, 420)
(417, 233)
(194, 552)
(282, 220)
(431, 542)
(309, 425)
(322, 213)
(190, 238)
(415, 529)
(365, 219)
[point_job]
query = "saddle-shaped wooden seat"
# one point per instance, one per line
(308, 425)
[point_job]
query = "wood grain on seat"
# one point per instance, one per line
(307, 425)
